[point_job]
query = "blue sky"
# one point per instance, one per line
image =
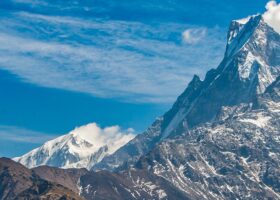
(114, 62)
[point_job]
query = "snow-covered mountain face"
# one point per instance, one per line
(81, 148)
(251, 63)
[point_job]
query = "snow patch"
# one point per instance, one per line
(243, 20)
(260, 120)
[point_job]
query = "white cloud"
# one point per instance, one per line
(194, 35)
(131, 61)
(272, 15)
(17, 134)
(113, 136)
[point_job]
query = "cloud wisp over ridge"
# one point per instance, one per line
(131, 61)
(272, 15)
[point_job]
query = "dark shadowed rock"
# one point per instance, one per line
(18, 182)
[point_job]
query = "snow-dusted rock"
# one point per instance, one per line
(235, 157)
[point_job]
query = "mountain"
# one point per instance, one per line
(251, 63)
(18, 182)
(81, 148)
(237, 156)
(220, 140)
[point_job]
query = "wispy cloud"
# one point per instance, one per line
(194, 35)
(131, 61)
(17, 134)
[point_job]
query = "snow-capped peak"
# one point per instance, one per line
(254, 46)
(81, 148)
(271, 16)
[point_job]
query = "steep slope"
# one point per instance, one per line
(81, 148)
(131, 184)
(250, 64)
(18, 182)
(69, 178)
(235, 157)
(52, 182)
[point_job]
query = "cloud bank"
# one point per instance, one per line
(272, 15)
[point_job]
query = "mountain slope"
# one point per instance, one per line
(81, 148)
(18, 182)
(250, 64)
(69, 178)
(236, 157)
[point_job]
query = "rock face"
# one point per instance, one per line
(18, 182)
(251, 63)
(236, 157)
(81, 148)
